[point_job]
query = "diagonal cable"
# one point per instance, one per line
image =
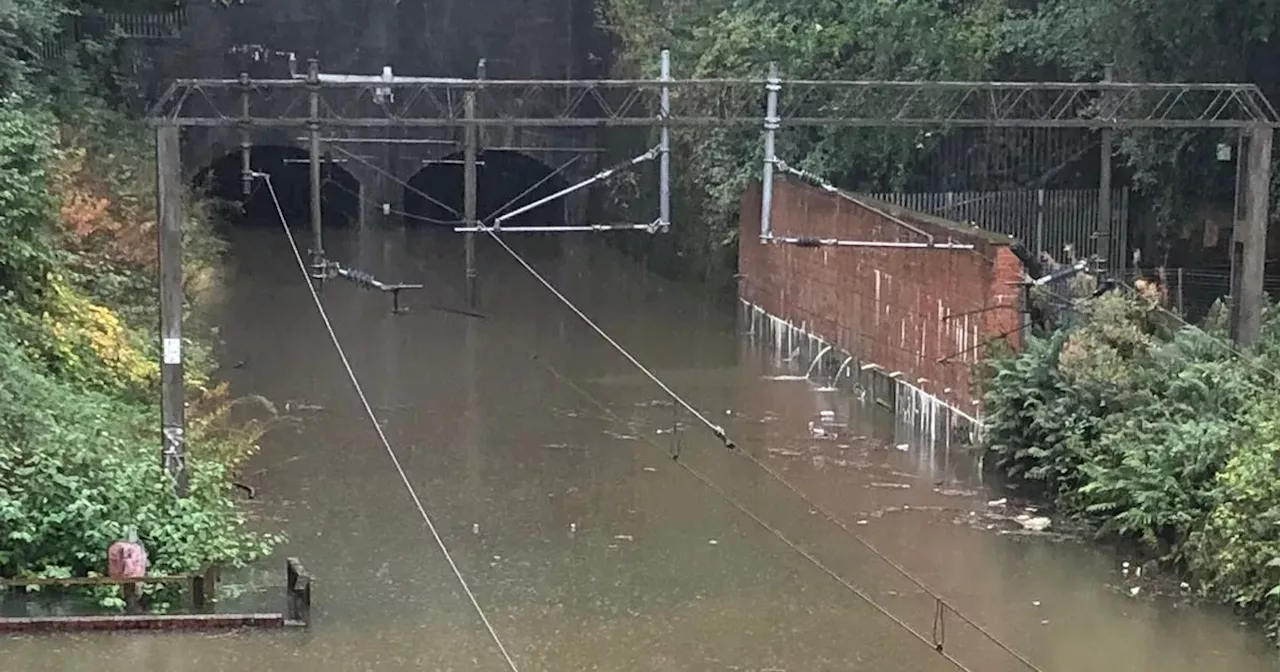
(537, 184)
(711, 485)
(377, 426)
(382, 171)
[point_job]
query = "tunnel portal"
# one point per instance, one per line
(505, 181)
(291, 176)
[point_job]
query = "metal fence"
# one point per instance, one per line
(1045, 220)
(126, 25)
(1191, 292)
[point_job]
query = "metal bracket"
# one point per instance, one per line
(333, 269)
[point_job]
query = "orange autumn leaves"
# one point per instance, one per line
(105, 210)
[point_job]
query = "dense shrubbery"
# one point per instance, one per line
(79, 439)
(1143, 40)
(1153, 434)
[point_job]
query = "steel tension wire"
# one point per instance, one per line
(395, 179)
(550, 176)
(943, 603)
(373, 418)
(715, 429)
(711, 485)
(393, 211)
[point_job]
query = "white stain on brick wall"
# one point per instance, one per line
(925, 419)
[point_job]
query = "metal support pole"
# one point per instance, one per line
(169, 232)
(1039, 241)
(664, 157)
(771, 123)
(1254, 236)
(246, 159)
(313, 126)
(1104, 190)
(469, 195)
(1235, 246)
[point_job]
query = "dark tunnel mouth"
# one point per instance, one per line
(502, 175)
(291, 177)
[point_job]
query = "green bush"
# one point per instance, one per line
(77, 467)
(1156, 437)
(1237, 550)
(79, 442)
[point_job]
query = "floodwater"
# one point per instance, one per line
(587, 545)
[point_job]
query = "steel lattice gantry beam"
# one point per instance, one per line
(371, 102)
(316, 101)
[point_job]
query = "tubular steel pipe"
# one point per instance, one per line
(604, 174)
(563, 229)
(313, 125)
(836, 242)
(770, 155)
(664, 147)
(246, 159)
(677, 121)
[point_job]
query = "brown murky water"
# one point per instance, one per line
(588, 546)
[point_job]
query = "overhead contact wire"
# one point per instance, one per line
(715, 429)
(373, 418)
(711, 485)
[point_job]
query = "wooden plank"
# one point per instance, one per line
(165, 622)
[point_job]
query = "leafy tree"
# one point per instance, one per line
(912, 39)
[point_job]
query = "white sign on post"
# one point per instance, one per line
(173, 351)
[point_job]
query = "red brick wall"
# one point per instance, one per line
(904, 309)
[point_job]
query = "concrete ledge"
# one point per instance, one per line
(165, 622)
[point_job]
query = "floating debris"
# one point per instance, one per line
(904, 447)
(650, 469)
(1033, 523)
(892, 486)
(955, 492)
(713, 542)
(475, 528)
(998, 502)
(624, 537)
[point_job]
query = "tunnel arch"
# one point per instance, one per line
(291, 177)
(502, 176)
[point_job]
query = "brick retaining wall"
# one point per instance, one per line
(923, 312)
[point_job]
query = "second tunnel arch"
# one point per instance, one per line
(289, 169)
(505, 181)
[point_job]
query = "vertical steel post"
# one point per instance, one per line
(771, 123)
(169, 232)
(1254, 236)
(1182, 306)
(470, 149)
(1104, 188)
(664, 157)
(246, 159)
(1236, 254)
(1039, 242)
(313, 126)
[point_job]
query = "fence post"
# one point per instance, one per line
(1182, 309)
(297, 593)
(1039, 222)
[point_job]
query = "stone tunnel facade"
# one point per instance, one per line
(547, 39)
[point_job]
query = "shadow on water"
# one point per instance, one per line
(588, 547)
